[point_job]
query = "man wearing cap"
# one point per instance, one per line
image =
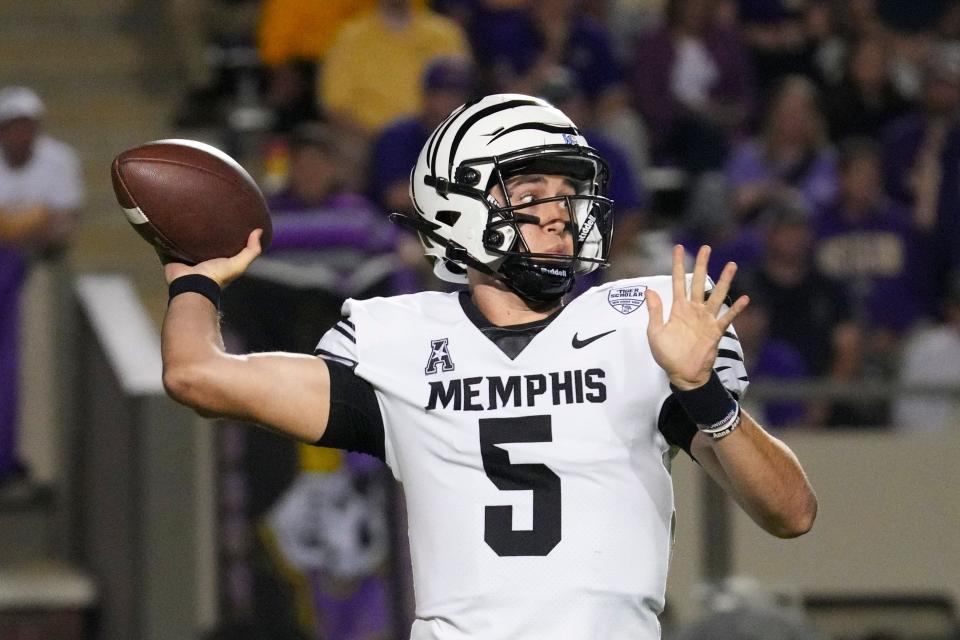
(40, 193)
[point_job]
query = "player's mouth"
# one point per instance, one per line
(559, 250)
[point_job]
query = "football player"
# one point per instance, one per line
(533, 436)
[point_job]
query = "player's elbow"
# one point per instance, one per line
(185, 384)
(799, 519)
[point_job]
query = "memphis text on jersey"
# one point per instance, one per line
(488, 393)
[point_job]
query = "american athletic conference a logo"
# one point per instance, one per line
(439, 359)
(627, 299)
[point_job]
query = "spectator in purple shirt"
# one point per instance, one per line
(869, 242)
(808, 309)
(791, 154)
(691, 81)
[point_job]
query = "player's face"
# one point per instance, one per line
(553, 233)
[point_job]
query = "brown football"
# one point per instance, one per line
(189, 199)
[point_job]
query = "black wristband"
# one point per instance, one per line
(709, 405)
(196, 283)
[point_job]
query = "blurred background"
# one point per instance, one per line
(815, 142)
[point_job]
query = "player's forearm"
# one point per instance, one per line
(763, 476)
(192, 351)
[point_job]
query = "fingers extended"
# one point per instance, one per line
(719, 292)
(655, 310)
(699, 283)
(679, 275)
(727, 318)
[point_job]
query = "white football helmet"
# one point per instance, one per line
(478, 146)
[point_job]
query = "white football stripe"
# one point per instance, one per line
(135, 215)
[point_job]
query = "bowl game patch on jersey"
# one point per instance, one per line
(627, 299)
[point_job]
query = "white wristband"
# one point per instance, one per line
(724, 427)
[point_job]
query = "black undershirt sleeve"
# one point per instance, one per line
(676, 426)
(355, 423)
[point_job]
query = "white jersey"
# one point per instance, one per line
(51, 178)
(538, 491)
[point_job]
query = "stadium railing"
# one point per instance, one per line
(139, 488)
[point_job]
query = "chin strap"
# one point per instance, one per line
(537, 281)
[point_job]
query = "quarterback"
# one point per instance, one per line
(533, 436)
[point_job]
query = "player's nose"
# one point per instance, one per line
(552, 215)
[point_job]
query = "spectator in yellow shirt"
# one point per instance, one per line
(372, 71)
(303, 29)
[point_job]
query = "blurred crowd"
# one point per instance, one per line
(814, 142)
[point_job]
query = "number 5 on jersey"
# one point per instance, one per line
(498, 531)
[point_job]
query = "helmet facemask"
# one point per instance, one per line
(545, 277)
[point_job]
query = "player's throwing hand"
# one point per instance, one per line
(222, 270)
(685, 346)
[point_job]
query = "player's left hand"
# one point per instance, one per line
(685, 346)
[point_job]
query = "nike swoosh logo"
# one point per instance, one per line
(580, 344)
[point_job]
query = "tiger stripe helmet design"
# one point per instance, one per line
(478, 146)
